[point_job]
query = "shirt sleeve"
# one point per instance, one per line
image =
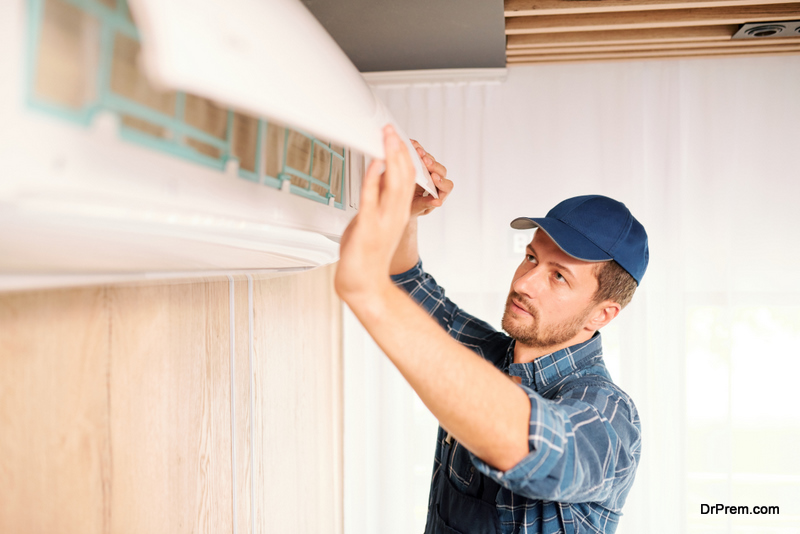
(584, 447)
(468, 330)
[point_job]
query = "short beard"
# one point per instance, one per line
(532, 336)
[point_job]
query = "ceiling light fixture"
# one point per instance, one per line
(768, 30)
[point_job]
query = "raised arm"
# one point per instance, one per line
(407, 253)
(444, 373)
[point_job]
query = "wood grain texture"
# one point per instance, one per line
(523, 8)
(116, 408)
(298, 407)
(55, 450)
(744, 45)
(659, 54)
(170, 408)
(653, 35)
(544, 30)
(651, 19)
(337, 402)
(242, 395)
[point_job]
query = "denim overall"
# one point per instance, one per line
(464, 500)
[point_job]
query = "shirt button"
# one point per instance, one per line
(472, 469)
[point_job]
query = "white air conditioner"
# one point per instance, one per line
(213, 136)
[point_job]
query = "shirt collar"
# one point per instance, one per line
(545, 371)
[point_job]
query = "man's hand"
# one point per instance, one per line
(424, 203)
(370, 241)
(406, 255)
(445, 374)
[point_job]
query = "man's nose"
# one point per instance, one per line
(529, 283)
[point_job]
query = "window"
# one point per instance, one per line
(741, 360)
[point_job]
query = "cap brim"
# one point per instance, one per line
(569, 240)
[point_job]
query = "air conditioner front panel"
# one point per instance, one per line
(87, 190)
(272, 58)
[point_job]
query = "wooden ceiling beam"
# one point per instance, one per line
(651, 19)
(654, 35)
(648, 58)
(526, 8)
(790, 49)
(741, 43)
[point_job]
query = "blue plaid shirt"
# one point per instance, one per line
(584, 439)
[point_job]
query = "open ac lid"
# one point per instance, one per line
(107, 178)
(268, 57)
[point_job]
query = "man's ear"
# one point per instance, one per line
(604, 312)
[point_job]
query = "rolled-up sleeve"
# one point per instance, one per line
(584, 447)
(470, 331)
(427, 293)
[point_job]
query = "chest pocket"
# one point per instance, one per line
(460, 470)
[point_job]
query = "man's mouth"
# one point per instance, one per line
(517, 309)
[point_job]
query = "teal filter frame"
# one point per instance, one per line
(307, 192)
(116, 21)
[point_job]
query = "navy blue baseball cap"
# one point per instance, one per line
(595, 228)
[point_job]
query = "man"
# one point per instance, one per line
(553, 449)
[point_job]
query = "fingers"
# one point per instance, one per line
(370, 186)
(399, 169)
(434, 166)
(444, 185)
(419, 149)
(429, 161)
(423, 204)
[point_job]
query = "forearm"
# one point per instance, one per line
(581, 443)
(407, 253)
(472, 400)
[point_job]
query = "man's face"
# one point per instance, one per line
(550, 300)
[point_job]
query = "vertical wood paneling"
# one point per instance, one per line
(242, 397)
(55, 458)
(115, 408)
(298, 410)
(170, 408)
(336, 404)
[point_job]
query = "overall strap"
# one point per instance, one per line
(489, 489)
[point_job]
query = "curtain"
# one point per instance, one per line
(705, 154)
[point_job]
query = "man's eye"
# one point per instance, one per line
(560, 278)
(530, 257)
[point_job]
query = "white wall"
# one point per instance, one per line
(704, 154)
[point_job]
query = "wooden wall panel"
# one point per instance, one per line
(298, 404)
(115, 408)
(242, 296)
(170, 408)
(55, 454)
